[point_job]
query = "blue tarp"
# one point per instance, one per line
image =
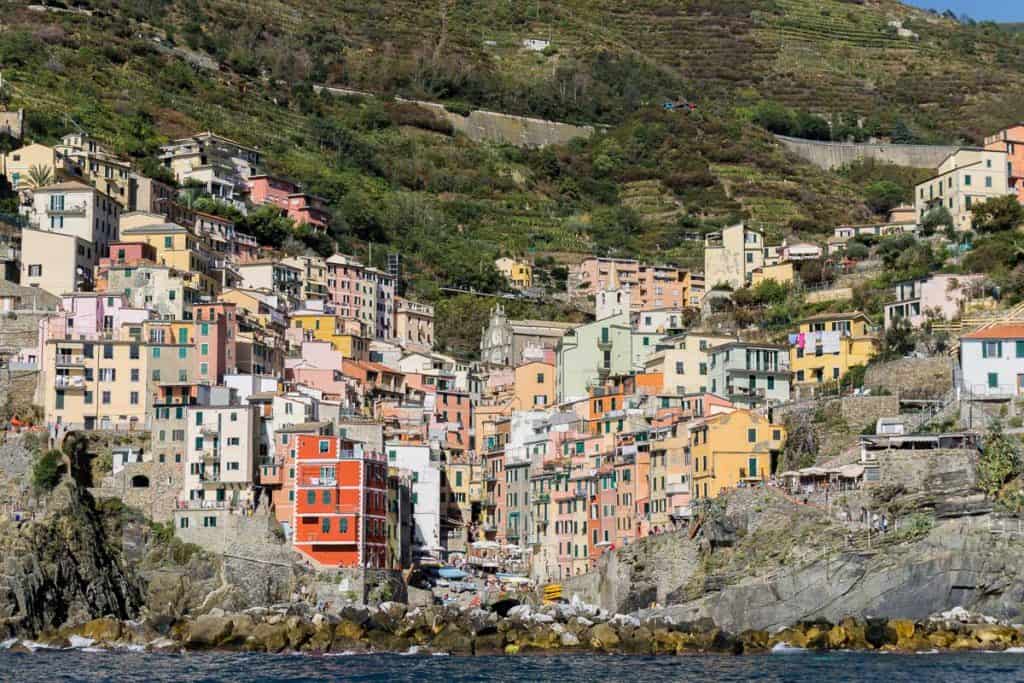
(451, 573)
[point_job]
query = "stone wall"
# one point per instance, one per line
(830, 155)
(490, 126)
(157, 499)
(858, 411)
(928, 470)
(912, 376)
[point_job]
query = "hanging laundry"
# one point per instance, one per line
(793, 339)
(830, 342)
(801, 340)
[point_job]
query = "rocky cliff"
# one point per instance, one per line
(790, 563)
(80, 560)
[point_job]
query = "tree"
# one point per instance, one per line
(939, 218)
(999, 460)
(38, 176)
(884, 195)
(857, 250)
(899, 339)
(901, 134)
(46, 470)
(998, 214)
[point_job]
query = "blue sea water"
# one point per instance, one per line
(52, 666)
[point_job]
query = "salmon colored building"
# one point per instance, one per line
(1011, 141)
(340, 517)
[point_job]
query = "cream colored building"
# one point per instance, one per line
(95, 385)
(220, 453)
(75, 208)
(732, 255)
(223, 166)
(313, 276)
(54, 262)
(100, 166)
(414, 324)
(18, 163)
(160, 289)
(966, 177)
(685, 367)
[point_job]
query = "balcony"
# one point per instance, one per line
(677, 488)
(603, 372)
(542, 499)
(272, 475)
(67, 382)
(65, 360)
(68, 210)
(324, 482)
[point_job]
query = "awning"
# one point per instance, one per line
(451, 573)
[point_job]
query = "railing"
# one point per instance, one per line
(69, 360)
(317, 481)
(206, 505)
(65, 382)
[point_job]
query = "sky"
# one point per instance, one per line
(996, 10)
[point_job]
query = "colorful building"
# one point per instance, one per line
(341, 491)
(826, 347)
(733, 449)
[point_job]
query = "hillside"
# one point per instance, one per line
(136, 73)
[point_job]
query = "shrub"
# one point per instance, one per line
(46, 471)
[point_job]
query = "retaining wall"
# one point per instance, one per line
(831, 155)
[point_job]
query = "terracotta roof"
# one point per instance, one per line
(1009, 331)
(67, 185)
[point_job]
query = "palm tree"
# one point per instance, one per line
(38, 176)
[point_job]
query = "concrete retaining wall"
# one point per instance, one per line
(155, 500)
(831, 155)
(928, 470)
(491, 126)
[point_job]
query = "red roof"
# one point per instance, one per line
(1009, 331)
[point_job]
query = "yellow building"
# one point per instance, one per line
(830, 345)
(732, 448)
(519, 273)
(780, 272)
(179, 248)
(320, 326)
(18, 166)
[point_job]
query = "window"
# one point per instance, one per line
(993, 380)
(108, 374)
(204, 349)
(105, 398)
(183, 523)
(325, 525)
(540, 400)
(156, 375)
(204, 329)
(992, 349)
(326, 497)
(133, 352)
(35, 270)
(752, 435)
(168, 242)
(199, 443)
(343, 524)
(210, 522)
(234, 441)
(771, 382)
(108, 351)
(204, 368)
(540, 378)
(1020, 349)
(703, 368)
(967, 180)
(133, 398)
(988, 181)
(835, 373)
(88, 398)
(325, 446)
(776, 434)
(156, 352)
(311, 497)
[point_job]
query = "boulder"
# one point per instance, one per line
(103, 630)
(878, 633)
(268, 637)
(489, 644)
(207, 632)
(567, 639)
(604, 637)
(321, 639)
(995, 636)
(754, 640)
(453, 640)
(419, 597)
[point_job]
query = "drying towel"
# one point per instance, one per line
(793, 339)
(801, 339)
(830, 342)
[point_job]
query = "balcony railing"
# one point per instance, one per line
(66, 382)
(318, 481)
(66, 360)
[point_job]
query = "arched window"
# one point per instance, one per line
(140, 481)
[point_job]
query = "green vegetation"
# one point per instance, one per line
(47, 469)
(999, 460)
(998, 214)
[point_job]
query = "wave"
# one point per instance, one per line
(81, 642)
(787, 649)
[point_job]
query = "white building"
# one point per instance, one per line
(426, 493)
(220, 447)
(75, 208)
(966, 177)
(56, 263)
(992, 362)
(223, 166)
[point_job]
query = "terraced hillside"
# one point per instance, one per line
(876, 59)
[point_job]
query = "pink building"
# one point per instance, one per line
(265, 189)
(345, 286)
(308, 209)
(130, 254)
(650, 286)
(217, 339)
(453, 410)
(941, 296)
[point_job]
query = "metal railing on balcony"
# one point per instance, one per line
(66, 382)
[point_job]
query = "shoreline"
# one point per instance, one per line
(552, 630)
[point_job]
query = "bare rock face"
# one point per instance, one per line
(65, 568)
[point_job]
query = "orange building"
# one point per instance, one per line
(341, 494)
(533, 386)
(1011, 141)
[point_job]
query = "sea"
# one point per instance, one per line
(833, 667)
